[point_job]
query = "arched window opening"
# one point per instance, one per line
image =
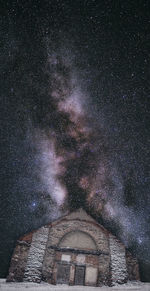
(78, 240)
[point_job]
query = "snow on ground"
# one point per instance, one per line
(25, 286)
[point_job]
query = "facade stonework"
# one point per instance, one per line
(118, 260)
(132, 267)
(33, 268)
(19, 259)
(74, 250)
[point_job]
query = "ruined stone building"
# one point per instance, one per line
(73, 250)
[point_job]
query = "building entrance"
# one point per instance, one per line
(79, 275)
(63, 274)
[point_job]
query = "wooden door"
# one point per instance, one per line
(63, 273)
(79, 275)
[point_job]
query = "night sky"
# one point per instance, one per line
(75, 89)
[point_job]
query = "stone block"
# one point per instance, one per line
(91, 276)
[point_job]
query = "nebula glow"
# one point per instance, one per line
(75, 165)
(77, 168)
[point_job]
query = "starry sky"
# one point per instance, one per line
(75, 118)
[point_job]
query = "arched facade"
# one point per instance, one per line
(75, 259)
(79, 249)
(74, 250)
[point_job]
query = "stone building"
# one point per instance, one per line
(73, 250)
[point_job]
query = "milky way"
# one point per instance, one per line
(77, 147)
(77, 164)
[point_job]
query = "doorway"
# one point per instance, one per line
(63, 273)
(79, 275)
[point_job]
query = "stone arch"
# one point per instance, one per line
(54, 251)
(77, 239)
(63, 227)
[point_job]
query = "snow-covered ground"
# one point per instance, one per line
(24, 286)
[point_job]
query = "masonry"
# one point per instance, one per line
(73, 250)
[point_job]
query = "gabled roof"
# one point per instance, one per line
(79, 214)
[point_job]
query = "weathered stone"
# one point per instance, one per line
(77, 246)
(118, 260)
(104, 270)
(132, 267)
(18, 262)
(91, 276)
(33, 269)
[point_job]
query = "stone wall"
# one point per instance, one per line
(104, 270)
(97, 233)
(118, 266)
(132, 267)
(33, 269)
(37, 255)
(48, 266)
(19, 259)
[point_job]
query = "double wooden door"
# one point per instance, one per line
(63, 274)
